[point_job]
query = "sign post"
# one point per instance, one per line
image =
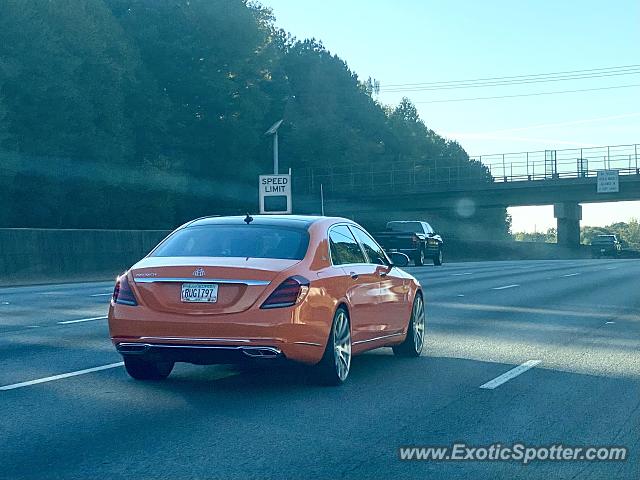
(274, 131)
(275, 194)
(608, 181)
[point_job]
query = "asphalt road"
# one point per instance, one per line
(579, 319)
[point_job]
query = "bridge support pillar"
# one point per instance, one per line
(568, 216)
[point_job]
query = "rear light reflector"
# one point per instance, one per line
(122, 292)
(291, 291)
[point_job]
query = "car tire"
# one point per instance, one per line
(419, 258)
(414, 342)
(437, 259)
(333, 368)
(141, 369)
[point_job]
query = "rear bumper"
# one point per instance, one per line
(431, 250)
(200, 354)
(296, 333)
(606, 250)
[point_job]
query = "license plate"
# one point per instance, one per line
(602, 250)
(199, 292)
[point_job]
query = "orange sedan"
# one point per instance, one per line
(314, 290)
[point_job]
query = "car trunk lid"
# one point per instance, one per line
(157, 281)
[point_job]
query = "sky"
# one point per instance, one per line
(417, 41)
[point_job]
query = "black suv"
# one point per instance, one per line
(414, 238)
(605, 245)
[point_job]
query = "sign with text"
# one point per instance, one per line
(608, 181)
(275, 194)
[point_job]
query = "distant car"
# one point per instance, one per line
(605, 245)
(313, 290)
(414, 238)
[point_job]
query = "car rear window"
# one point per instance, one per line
(604, 239)
(408, 227)
(256, 241)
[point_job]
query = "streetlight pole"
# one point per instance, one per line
(274, 131)
(275, 153)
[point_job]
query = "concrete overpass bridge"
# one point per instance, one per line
(563, 178)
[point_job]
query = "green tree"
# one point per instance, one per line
(143, 114)
(627, 232)
(550, 236)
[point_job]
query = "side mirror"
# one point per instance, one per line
(399, 259)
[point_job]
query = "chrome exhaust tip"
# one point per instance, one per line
(261, 352)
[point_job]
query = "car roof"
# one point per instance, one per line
(291, 221)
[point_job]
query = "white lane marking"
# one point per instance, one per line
(460, 295)
(82, 320)
(506, 286)
(61, 376)
(33, 326)
(514, 372)
(611, 268)
(4, 303)
(100, 294)
(610, 323)
(571, 274)
(460, 274)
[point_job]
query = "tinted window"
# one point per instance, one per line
(604, 239)
(255, 241)
(344, 248)
(372, 249)
(409, 227)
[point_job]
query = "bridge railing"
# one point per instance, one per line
(509, 167)
(566, 163)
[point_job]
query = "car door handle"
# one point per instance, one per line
(354, 275)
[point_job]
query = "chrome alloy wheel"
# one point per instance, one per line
(418, 324)
(342, 345)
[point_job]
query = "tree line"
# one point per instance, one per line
(144, 114)
(627, 233)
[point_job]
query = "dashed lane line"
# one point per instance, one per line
(80, 320)
(506, 286)
(514, 372)
(61, 376)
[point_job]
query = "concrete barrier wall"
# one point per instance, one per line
(458, 250)
(42, 255)
(29, 256)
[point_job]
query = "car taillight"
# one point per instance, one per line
(122, 292)
(291, 291)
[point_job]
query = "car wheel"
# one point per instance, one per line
(437, 259)
(333, 368)
(419, 259)
(414, 342)
(141, 369)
